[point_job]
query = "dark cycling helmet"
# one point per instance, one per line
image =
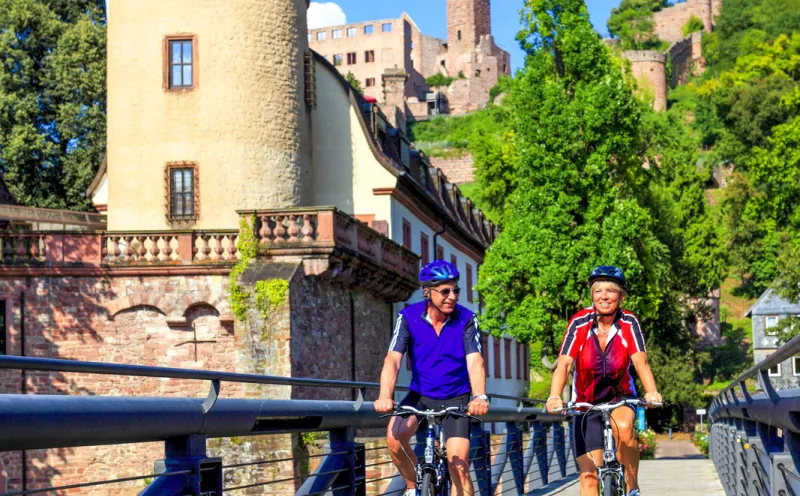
(608, 273)
(438, 271)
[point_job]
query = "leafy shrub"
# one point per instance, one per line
(439, 80)
(647, 444)
(700, 439)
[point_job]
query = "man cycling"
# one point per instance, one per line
(444, 346)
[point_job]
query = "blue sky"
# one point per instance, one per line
(431, 17)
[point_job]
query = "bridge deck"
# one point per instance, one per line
(678, 470)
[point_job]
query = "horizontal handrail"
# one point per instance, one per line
(785, 352)
(61, 365)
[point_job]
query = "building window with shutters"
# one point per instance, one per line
(497, 371)
(180, 63)
(182, 191)
(424, 248)
(508, 357)
(485, 352)
(469, 284)
(439, 252)
(454, 260)
(406, 234)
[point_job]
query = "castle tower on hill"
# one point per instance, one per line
(469, 54)
(217, 58)
(468, 21)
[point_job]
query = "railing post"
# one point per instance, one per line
(340, 471)
(560, 449)
(480, 454)
(537, 475)
(187, 454)
(513, 447)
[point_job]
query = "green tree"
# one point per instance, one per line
(52, 99)
(632, 23)
(438, 80)
(693, 25)
(354, 82)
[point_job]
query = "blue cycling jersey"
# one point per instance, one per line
(438, 363)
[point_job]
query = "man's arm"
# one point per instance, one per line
(391, 366)
(475, 367)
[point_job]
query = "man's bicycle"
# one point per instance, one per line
(433, 477)
(610, 475)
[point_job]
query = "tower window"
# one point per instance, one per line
(386, 27)
(370, 82)
(351, 58)
(369, 29)
(351, 32)
(180, 62)
(336, 33)
(322, 36)
(182, 187)
(337, 59)
(459, 35)
(369, 56)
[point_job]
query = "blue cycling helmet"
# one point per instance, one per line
(437, 272)
(608, 273)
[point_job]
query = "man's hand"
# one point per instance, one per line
(478, 407)
(653, 397)
(383, 405)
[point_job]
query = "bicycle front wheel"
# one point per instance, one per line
(426, 489)
(610, 485)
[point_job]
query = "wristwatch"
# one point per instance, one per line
(481, 397)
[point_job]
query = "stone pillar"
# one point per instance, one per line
(394, 96)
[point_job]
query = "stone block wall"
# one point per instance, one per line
(687, 59)
(458, 170)
(669, 22)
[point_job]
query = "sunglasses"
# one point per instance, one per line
(446, 291)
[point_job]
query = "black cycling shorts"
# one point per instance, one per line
(451, 426)
(587, 432)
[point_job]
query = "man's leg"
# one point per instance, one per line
(458, 463)
(627, 445)
(398, 437)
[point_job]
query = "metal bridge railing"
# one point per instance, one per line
(755, 438)
(534, 451)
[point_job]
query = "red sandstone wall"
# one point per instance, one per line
(670, 21)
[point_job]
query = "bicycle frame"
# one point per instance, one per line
(611, 465)
(434, 460)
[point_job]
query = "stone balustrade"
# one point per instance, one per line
(85, 248)
(357, 253)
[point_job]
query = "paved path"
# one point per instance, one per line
(679, 470)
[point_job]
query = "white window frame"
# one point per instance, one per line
(767, 327)
(777, 374)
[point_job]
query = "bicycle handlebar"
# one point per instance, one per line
(406, 410)
(605, 406)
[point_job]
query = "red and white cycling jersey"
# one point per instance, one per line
(599, 376)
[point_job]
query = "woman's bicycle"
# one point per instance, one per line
(433, 477)
(610, 475)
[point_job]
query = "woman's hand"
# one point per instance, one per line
(653, 397)
(554, 403)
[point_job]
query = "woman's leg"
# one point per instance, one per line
(588, 471)
(627, 445)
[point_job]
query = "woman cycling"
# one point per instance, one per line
(602, 341)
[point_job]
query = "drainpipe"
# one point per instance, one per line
(354, 393)
(436, 235)
(24, 382)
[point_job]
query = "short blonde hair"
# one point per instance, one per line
(607, 283)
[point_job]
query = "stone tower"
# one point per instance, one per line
(467, 22)
(649, 67)
(215, 87)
